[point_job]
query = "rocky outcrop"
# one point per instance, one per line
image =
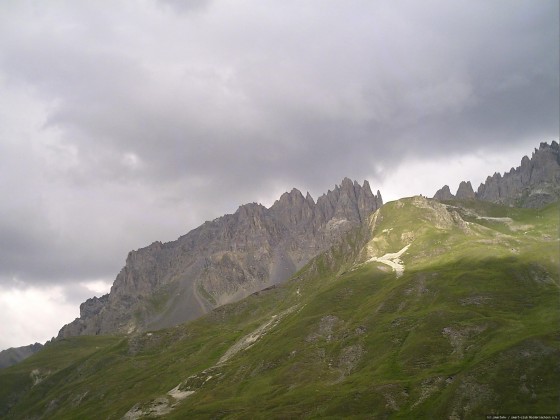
(93, 306)
(444, 194)
(224, 260)
(535, 183)
(465, 191)
(15, 355)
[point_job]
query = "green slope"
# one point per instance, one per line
(470, 328)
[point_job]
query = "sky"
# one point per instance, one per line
(125, 122)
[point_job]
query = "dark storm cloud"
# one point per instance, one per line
(202, 106)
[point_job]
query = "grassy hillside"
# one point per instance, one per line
(471, 327)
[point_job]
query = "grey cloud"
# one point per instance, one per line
(116, 104)
(183, 7)
(77, 293)
(40, 254)
(207, 110)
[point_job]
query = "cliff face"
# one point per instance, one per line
(535, 183)
(15, 355)
(223, 260)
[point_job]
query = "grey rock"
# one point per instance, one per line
(93, 306)
(535, 183)
(224, 260)
(444, 194)
(15, 355)
(465, 191)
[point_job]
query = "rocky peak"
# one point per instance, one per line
(346, 206)
(444, 194)
(292, 198)
(250, 210)
(535, 183)
(349, 187)
(544, 165)
(293, 209)
(14, 355)
(367, 202)
(224, 260)
(465, 191)
(309, 200)
(349, 201)
(93, 306)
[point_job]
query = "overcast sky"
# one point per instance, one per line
(125, 122)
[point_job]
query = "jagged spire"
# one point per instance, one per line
(465, 190)
(229, 257)
(444, 193)
(534, 183)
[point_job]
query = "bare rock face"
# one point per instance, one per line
(465, 191)
(93, 306)
(15, 355)
(535, 183)
(444, 194)
(224, 260)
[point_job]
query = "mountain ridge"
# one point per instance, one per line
(229, 258)
(330, 216)
(224, 260)
(535, 183)
(15, 355)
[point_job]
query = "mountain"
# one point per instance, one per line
(418, 308)
(223, 261)
(15, 355)
(535, 183)
(427, 310)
